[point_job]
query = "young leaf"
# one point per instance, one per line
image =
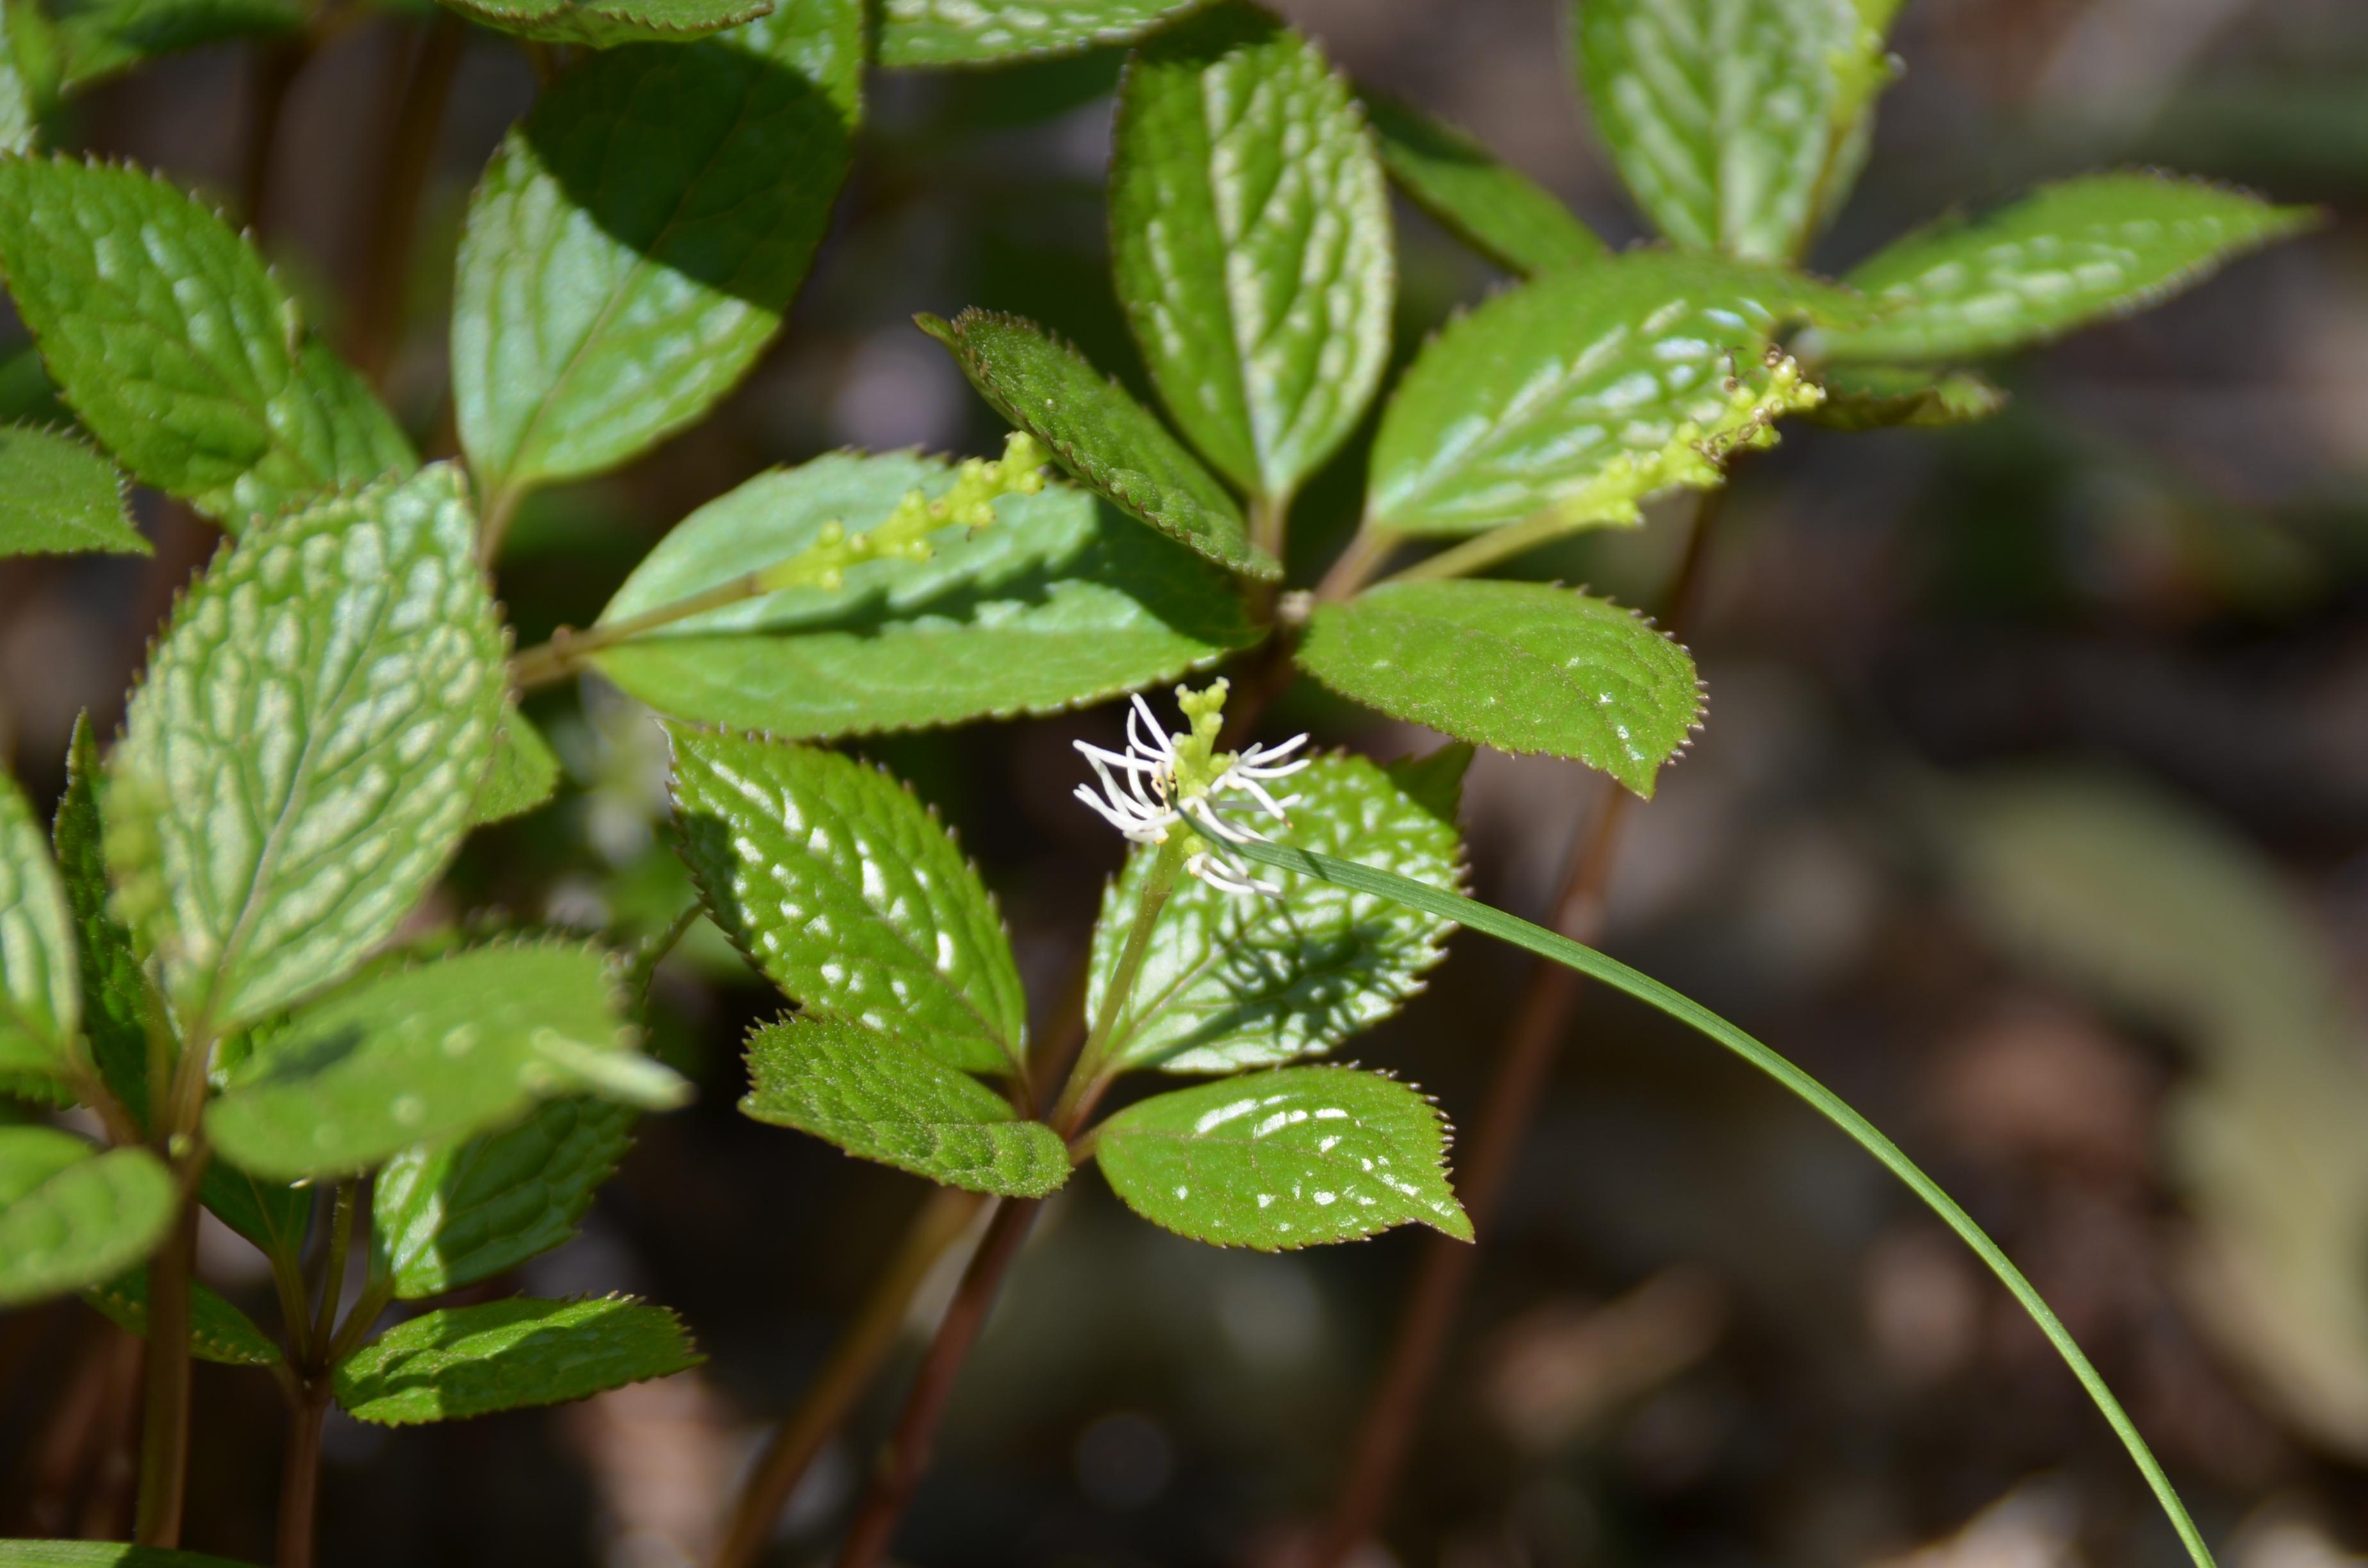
(843, 890)
(218, 1332)
(1875, 397)
(1736, 123)
(1582, 392)
(525, 774)
(98, 38)
(451, 1214)
(1493, 206)
(1111, 443)
(1232, 982)
(2063, 257)
(299, 757)
(101, 1554)
(444, 1050)
(983, 32)
(1520, 666)
(879, 1096)
(1297, 1157)
(70, 1218)
(1250, 237)
(177, 347)
(604, 24)
(58, 497)
(115, 993)
(508, 1355)
(1059, 602)
(632, 247)
(40, 982)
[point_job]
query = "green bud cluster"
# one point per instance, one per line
(907, 531)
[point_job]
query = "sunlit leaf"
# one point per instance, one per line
(70, 1218)
(40, 980)
(980, 32)
(604, 24)
(58, 497)
(510, 1355)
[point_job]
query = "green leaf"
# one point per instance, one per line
(20, 108)
(1520, 666)
(525, 772)
(1296, 1157)
(604, 24)
(69, 1218)
(115, 993)
(1250, 237)
(1874, 397)
(1582, 392)
(981, 32)
(97, 39)
(1059, 603)
(2062, 257)
(218, 1332)
(273, 1215)
(1493, 206)
(1111, 443)
(101, 1554)
(1231, 982)
(880, 1096)
(41, 982)
(177, 347)
(452, 1214)
(844, 891)
(634, 244)
(301, 756)
(510, 1355)
(1737, 124)
(58, 497)
(452, 1048)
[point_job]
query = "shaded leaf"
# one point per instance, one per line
(510, 1355)
(1232, 982)
(177, 347)
(1059, 603)
(40, 981)
(525, 773)
(2062, 257)
(1582, 392)
(300, 755)
(273, 1215)
(1873, 397)
(845, 891)
(1250, 238)
(70, 1218)
(451, 1214)
(218, 1332)
(633, 246)
(604, 24)
(1490, 204)
(1296, 1157)
(1520, 666)
(58, 497)
(115, 993)
(98, 38)
(101, 1554)
(979, 32)
(443, 1050)
(1111, 443)
(880, 1096)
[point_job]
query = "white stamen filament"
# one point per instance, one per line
(1150, 802)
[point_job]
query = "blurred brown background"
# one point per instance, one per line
(2031, 815)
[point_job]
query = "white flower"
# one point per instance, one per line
(1150, 798)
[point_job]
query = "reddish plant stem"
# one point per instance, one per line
(1486, 1160)
(416, 117)
(165, 1424)
(300, 1475)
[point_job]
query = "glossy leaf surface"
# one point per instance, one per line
(1292, 1158)
(846, 892)
(882, 1097)
(981, 32)
(58, 497)
(604, 24)
(1520, 666)
(508, 1355)
(1494, 207)
(70, 1218)
(40, 980)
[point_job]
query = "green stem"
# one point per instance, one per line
(567, 650)
(1619, 977)
(1087, 1078)
(333, 1267)
(1366, 554)
(1499, 544)
(1271, 523)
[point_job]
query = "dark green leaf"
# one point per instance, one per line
(844, 891)
(97, 39)
(218, 1332)
(2060, 257)
(1580, 394)
(604, 24)
(273, 1215)
(632, 247)
(1292, 1158)
(1061, 602)
(40, 982)
(1250, 237)
(1109, 442)
(1737, 124)
(1520, 666)
(446, 1050)
(1232, 982)
(299, 757)
(452, 1214)
(510, 1355)
(1873, 397)
(880, 1096)
(70, 1218)
(115, 993)
(177, 349)
(58, 497)
(1494, 207)
(525, 774)
(979, 32)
